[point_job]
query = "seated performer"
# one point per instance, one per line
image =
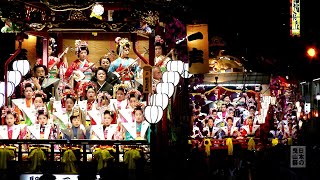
(78, 68)
(56, 64)
(10, 130)
(111, 77)
(76, 130)
(250, 129)
(210, 130)
(160, 59)
(100, 78)
(126, 67)
(139, 129)
(230, 130)
(106, 130)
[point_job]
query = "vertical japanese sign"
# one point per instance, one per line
(198, 50)
(295, 18)
(298, 157)
(147, 79)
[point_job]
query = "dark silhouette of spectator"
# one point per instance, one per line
(111, 172)
(47, 177)
(87, 172)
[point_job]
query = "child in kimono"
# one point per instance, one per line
(10, 130)
(210, 130)
(138, 130)
(250, 130)
(42, 129)
(230, 130)
(106, 130)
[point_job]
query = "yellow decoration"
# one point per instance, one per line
(207, 144)
(95, 15)
(102, 156)
(251, 144)
(274, 141)
(68, 159)
(36, 156)
(5, 155)
(230, 146)
(289, 141)
(130, 157)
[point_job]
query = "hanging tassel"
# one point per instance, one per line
(274, 141)
(289, 141)
(207, 144)
(5, 155)
(68, 158)
(251, 144)
(230, 146)
(36, 156)
(97, 154)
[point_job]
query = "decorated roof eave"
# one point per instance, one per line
(237, 78)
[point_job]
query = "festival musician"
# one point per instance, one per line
(81, 68)
(56, 64)
(127, 68)
(230, 130)
(250, 130)
(210, 130)
(161, 60)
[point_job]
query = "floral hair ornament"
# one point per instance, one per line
(104, 95)
(134, 92)
(121, 42)
(84, 87)
(39, 93)
(119, 86)
(7, 110)
(80, 45)
(158, 40)
(41, 111)
(26, 83)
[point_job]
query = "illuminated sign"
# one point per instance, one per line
(295, 17)
(298, 157)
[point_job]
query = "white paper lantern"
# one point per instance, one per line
(21, 65)
(171, 77)
(161, 100)
(153, 114)
(15, 77)
(10, 88)
(175, 65)
(98, 9)
(1, 100)
(165, 88)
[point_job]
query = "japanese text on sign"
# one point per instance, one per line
(295, 17)
(298, 157)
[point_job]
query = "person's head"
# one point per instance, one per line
(107, 118)
(40, 70)
(229, 121)
(69, 102)
(39, 98)
(10, 115)
(42, 116)
(120, 93)
(138, 114)
(47, 177)
(50, 51)
(158, 45)
(252, 110)
(101, 74)
(133, 100)
(75, 120)
(105, 62)
(123, 48)
(290, 125)
(250, 120)
(90, 92)
(214, 112)
(226, 99)
(210, 122)
(157, 73)
(223, 108)
(28, 90)
(158, 50)
(82, 50)
(231, 111)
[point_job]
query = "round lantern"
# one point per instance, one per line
(1, 100)
(14, 77)
(21, 65)
(165, 88)
(161, 100)
(175, 65)
(171, 77)
(10, 88)
(153, 114)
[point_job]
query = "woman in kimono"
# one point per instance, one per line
(161, 60)
(101, 79)
(10, 130)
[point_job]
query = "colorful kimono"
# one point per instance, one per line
(229, 130)
(164, 62)
(248, 130)
(137, 131)
(13, 132)
(211, 131)
(77, 65)
(27, 109)
(104, 133)
(38, 131)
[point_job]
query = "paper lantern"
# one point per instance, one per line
(14, 77)
(161, 100)
(171, 77)
(153, 114)
(10, 88)
(21, 65)
(1, 100)
(186, 73)
(175, 65)
(165, 88)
